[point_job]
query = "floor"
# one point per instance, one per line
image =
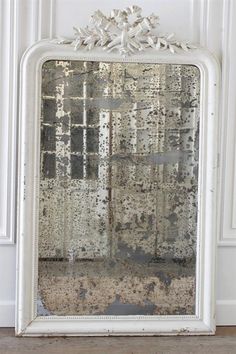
(223, 343)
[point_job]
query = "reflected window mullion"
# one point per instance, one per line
(85, 126)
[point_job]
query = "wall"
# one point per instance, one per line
(208, 22)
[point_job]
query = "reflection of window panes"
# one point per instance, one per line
(76, 108)
(89, 88)
(92, 116)
(118, 195)
(53, 77)
(49, 165)
(49, 110)
(74, 86)
(76, 167)
(77, 139)
(92, 167)
(48, 138)
(92, 139)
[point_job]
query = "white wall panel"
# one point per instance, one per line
(179, 19)
(7, 285)
(226, 286)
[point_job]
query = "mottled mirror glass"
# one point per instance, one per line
(118, 188)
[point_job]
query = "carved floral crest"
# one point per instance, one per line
(124, 30)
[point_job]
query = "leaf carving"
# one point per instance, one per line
(124, 30)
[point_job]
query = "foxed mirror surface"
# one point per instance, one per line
(118, 194)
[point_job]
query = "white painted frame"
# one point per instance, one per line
(27, 323)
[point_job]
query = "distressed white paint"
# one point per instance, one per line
(29, 152)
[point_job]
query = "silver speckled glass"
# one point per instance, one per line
(118, 188)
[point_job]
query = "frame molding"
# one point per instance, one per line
(27, 324)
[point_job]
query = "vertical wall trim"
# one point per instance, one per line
(52, 18)
(204, 21)
(46, 13)
(195, 15)
(224, 108)
(227, 201)
(232, 50)
(8, 102)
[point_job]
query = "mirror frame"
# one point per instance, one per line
(27, 322)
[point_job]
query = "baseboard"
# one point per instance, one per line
(226, 312)
(7, 313)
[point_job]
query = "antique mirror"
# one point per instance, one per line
(116, 220)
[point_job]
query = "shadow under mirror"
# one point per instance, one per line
(118, 193)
